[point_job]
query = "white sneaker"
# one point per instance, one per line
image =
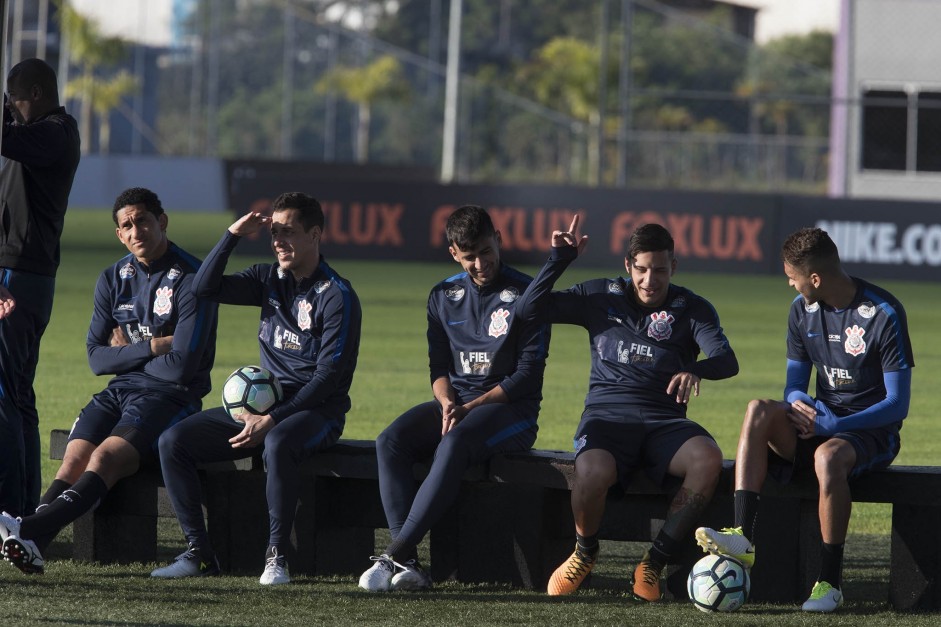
(24, 554)
(276, 569)
(823, 598)
(188, 564)
(412, 577)
(9, 526)
(379, 577)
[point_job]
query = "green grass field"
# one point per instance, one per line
(392, 375)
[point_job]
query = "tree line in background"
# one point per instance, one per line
(282, 79)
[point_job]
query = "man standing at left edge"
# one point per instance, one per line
(41, 150)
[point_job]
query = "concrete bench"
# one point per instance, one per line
(512, 522)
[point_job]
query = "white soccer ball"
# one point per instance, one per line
(251, 389)
(718, 584)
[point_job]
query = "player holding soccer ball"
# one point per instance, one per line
(486, 374)
(856, 336)
(645, 335)
(309, 339)
(148, 329)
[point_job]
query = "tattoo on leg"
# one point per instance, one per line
(685, 511)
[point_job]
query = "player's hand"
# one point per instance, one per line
(685, 385)
(256, 427)
(452, 417)
(118, 337)
(250, 223)
(161, 345)
(802, 417)
(7, 302)
(560, 239)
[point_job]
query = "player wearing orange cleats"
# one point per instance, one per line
(645, 335)
(569, 576)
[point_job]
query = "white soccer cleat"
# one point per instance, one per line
(24, 554)
(9, 526)
(276, 569)
(730, 542)
(823, 598)
(379, 577)
(188, 564)
(412, 577)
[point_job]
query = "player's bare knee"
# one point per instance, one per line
(760, 417)
(830, 464)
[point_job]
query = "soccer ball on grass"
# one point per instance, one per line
(718, 584)
(251, 389)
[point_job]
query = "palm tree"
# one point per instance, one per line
(92, 51)
(380, 80)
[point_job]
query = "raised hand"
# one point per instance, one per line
(250, 223)
(560, 239)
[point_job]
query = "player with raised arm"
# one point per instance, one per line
(855, 335)
(486, 375)
(645, 334)
(309, 336)
(158, 339)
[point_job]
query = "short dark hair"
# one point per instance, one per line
(29, 72)
(467, 225)
(310, 213)
(810, 249)
(649, 238)
(137, 196)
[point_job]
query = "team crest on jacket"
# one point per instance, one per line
(615, 288)
(303, 315)
(454, 293)
(162, 303)
(660, 326)
(855, 345)
(498, 323)
(509, 294)
(174, 273)
(127, 271)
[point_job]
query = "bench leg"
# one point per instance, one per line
(916, 558)
(503, 533)
(336, 533)
(237, 519)
(788, 550)
(123, 528)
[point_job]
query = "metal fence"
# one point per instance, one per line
(244, 79)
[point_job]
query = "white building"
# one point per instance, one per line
(886, 118)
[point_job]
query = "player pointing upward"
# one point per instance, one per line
(645, 335)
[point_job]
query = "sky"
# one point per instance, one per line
(149, 20)
(784, 17)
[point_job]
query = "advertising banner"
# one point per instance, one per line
(396, 218)
(876, 238)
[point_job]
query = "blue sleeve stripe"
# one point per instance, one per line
(188, 258)
(329, 427)
(894, 320)
(456, 277)
(199, 326)
(513, 429)
(347, 311)
(515, 274)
